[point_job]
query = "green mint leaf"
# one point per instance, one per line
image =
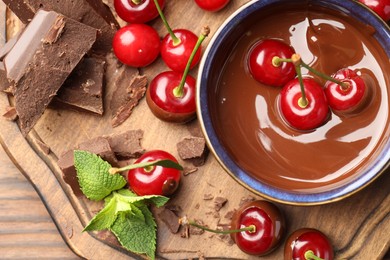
(136, 235)
(105, 217)
(131, 197)
(94, 178)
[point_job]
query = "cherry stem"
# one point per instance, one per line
(277, 61)
(137, 2)
(297, 61)
(179, 90)
(309, 255)
(324, 76)
(176, 41)
(185, 221)
(148, 166)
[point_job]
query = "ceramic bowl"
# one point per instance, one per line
(221, 45)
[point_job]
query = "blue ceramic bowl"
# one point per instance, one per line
(218, 49)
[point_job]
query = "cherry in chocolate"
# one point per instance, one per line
(264, 62)
(308, 244)
(349, 96)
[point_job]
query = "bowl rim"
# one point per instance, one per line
(375, 169)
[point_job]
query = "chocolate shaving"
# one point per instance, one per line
(55, 31)
(127, 95)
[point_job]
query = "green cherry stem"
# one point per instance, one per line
(179, 90)
(324, 76)
(176, 41)
(185, 221)
(136, 2)
(309, 255)
(296, 60)
(147, 165)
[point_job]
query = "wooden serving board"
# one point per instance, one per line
(358, 226)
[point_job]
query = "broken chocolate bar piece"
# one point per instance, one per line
(90, 12)
(83, 89)
(170, 219)
(43, 57)
(194, 149)
(130, 87)
(128, 144)
(99, 146)
(4, 84)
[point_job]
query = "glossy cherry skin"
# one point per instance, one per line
(346, 99)
(306, 239)
(177, 56)
(270, 227)
(260, 62)
(212, 5)
(131, 12)
(155, 181)
(164, 104)
(380, 7)
(309, 117)
(136, 45)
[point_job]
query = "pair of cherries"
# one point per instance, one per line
(303, 102)
(258, 227)
(171, 94)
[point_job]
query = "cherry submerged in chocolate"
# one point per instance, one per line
(248, 123)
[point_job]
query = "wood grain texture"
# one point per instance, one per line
(358, 226)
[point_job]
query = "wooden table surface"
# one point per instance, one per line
(359, 226)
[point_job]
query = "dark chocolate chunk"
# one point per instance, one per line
(83, 89)
(45, 54)
(130, 87)
(10, 113)
(194, 149)
(90, 12)
(170, 219)
(128, 144)
(69, 175)
(101, 147)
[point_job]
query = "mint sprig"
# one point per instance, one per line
(125, 214)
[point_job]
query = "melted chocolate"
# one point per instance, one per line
(246, 117)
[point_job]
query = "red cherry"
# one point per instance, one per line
(212, 5)
(176, 55)
(269, 227)
(137, 11)
(136, 45)
(307, 239)
(161, 99)
(262, 66)
(295, 113)
(155, 180)
(380, 7)
(349, 97)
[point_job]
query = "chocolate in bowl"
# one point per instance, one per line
(240, 117)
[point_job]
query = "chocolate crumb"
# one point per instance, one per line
(197, 206)
(219, 202)
(170, 219)
(195, 230)
(188, 170)
(229, 214)
(208, 196)
(247, 199)
(226, 238)
(10, 113)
